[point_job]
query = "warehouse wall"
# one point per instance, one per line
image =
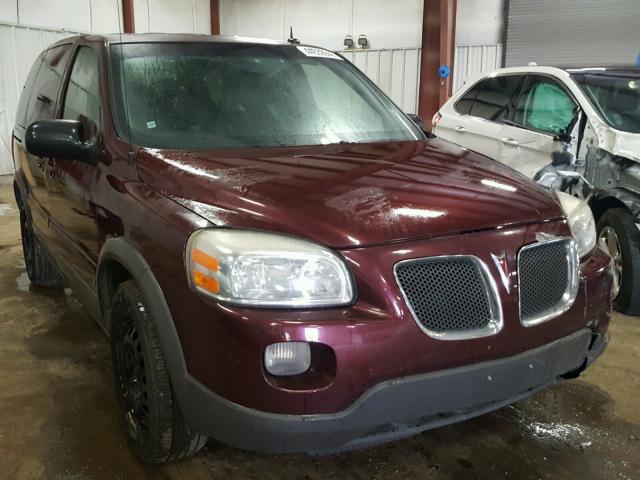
(102, 16)
(479, 22)
(173, 16)
(479, 37)
(396, 24)
(75, 15)
(387, 24)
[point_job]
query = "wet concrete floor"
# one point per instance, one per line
(58, 415)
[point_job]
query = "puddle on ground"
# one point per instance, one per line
(556, 431)
(5, 209)
(22, 282)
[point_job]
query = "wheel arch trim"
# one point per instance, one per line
(128, 256)
(628, 199)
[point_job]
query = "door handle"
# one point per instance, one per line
(510, 141)
(461, 129)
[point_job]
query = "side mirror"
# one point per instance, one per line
(420, 124)
(59, 139)
(417, 120)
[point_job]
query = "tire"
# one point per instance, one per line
(40, 270)
(153, 419)
(627, 237)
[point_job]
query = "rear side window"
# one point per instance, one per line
(42, 101)
(21, 114)
(82, 100)
(545, 106)
(463, 106)
(492, 101)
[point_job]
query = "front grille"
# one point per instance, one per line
(547, 273)
(450, 296)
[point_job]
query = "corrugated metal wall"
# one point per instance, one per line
(395, 71)
(19, 46)
(573, 32)
(473, 59)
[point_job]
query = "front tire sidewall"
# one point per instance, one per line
(153, 443)
(621, 221)
(167, 437)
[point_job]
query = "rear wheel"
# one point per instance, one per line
(40, 270)
(619, 236)
(155, 425)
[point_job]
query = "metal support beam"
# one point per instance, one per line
(438, 48)
(215, 16)
(128, 24)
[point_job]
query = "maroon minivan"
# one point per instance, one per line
(282, 259)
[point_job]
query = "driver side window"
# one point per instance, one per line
(544, 106)
(82, 100)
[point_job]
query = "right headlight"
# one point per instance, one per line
(581, 222)
(266, 269)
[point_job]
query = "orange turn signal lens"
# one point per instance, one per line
(204, 259)
(204, 281)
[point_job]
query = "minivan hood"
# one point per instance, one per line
(349, 195)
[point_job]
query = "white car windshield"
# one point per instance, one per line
(215, 95)
(615, 96)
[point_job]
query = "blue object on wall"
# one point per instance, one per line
(444, 71)
(638, 59)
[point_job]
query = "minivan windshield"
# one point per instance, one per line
(616, 98)
(213, 95)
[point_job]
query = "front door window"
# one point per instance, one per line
(546, 107)
(82, 101)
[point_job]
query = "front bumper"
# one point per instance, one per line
(398, 407)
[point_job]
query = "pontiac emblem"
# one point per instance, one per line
(503, 269)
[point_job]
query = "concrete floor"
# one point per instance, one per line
(58, 415)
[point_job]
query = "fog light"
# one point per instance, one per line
(287, 358)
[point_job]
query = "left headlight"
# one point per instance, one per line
(581, 222)
(265, 269)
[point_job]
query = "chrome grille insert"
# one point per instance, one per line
(450, 297)
(548, 279)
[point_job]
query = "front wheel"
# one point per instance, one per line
(620, 238)
(154, 422)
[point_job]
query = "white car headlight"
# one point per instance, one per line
(581, 222)
(265, 269)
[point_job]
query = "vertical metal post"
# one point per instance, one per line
(128, 24)
(438, 48)
(214, 6)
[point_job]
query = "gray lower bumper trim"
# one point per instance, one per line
(394, 408)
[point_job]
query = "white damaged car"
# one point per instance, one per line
(575, 130)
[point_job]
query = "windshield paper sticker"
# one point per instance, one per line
(318, 52)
